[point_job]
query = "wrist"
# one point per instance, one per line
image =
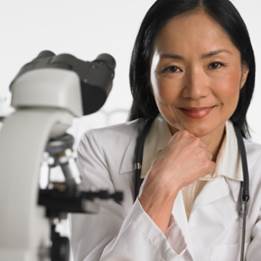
(159, 209)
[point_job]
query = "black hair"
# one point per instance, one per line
(225, 14)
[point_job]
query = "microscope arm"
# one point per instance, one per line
(22, 225)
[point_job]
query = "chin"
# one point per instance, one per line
(200, 129)
(198, 132)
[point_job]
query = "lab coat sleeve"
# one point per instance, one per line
(116, 232)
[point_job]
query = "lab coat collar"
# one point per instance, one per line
(156, 140)
(217, 189)
(228, 162)
(214, 191)
(127, 165)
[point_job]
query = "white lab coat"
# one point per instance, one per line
(126, 233)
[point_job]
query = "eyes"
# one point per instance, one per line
(215, 65)
(176, 69)
(171, 69)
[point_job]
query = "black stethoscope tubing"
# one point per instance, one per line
(244, 185)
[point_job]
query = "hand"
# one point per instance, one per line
(184, 160)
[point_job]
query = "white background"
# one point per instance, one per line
(86, 28)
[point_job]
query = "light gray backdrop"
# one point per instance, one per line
(86, 28)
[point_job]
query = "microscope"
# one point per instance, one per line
(47, 94)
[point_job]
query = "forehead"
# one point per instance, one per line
(193, 31)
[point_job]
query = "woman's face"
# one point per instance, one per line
(196, 74)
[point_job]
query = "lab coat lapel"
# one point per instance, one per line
(127, 156)
(127, 165)
(213, 214)
(216, 200)
(214, 190)
(218, 189)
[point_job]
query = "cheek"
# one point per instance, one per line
(228, 88)
(165, 91)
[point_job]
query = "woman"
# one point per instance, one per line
(192, 75)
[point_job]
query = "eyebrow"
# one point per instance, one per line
(203, 56)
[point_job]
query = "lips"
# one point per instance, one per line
(197, 112)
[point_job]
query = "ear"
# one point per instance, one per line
(245, 71)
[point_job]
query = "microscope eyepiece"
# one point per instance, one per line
(95, 77)
(45, 54)
(108, 59)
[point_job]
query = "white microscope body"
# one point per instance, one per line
(45, 100)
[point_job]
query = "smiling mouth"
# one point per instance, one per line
(197, 112)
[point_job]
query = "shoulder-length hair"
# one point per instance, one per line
(226, 15)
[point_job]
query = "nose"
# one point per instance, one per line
(195, 84)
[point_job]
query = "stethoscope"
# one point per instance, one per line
(244, 185)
